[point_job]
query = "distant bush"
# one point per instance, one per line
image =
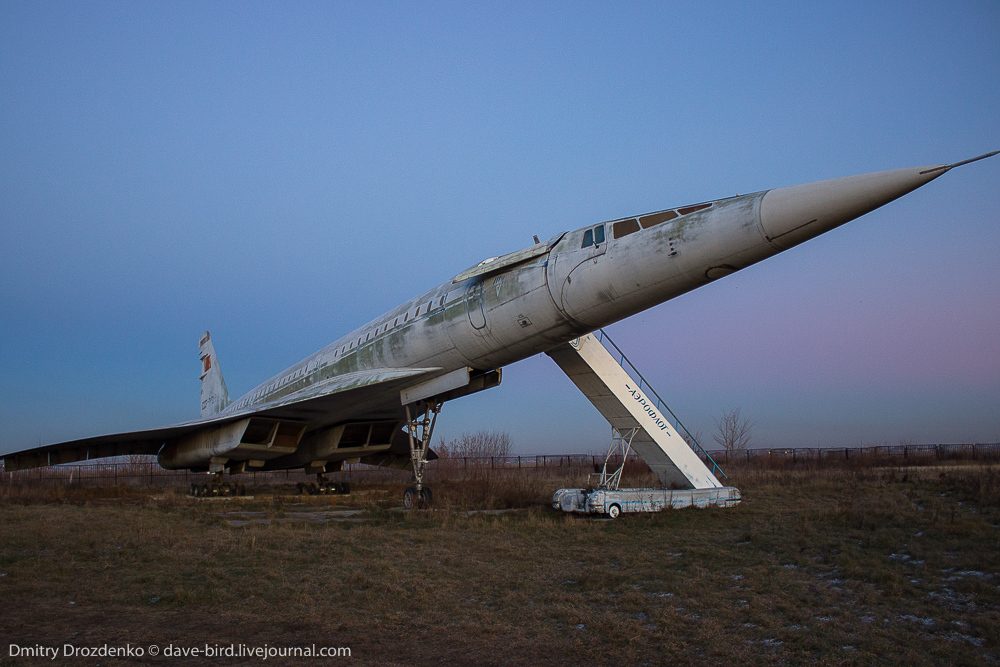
(481, 444)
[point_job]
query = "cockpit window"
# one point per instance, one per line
(692, 209)
(656, 218)
(593, 236)
(625, 227)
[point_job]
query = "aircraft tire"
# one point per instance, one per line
(410, 499)
(426, 497)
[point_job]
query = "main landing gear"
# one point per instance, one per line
(217, 488)
(323, 486)
(420, 429)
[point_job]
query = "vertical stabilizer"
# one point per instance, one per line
(214, 395)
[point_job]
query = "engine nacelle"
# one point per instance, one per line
(253, 440)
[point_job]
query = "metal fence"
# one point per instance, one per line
(148, 473)
(902, 454)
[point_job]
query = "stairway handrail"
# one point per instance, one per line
(660, 403)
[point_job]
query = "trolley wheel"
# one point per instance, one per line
(614, 511)
(410, 499)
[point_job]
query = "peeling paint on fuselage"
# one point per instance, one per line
(596, 288)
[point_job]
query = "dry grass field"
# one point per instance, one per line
(832, 567)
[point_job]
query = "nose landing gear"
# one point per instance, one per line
(420, 430)
(414, 499)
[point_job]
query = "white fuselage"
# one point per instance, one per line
(580, 285)
(490, 321)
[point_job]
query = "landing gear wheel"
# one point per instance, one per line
(195, 491)
(345, 488)
(614, 512)
(426, 497)
(301, 487)
(410, 499)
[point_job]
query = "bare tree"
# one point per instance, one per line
(481, 444)
(733, 431)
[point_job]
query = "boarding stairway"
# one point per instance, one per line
(619, 392)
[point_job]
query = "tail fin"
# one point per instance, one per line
(214, 395)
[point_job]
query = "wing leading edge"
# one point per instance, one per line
(359, 395)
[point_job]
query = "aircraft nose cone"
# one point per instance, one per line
(798, 213)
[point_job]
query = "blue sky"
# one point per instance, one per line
(279, 173)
